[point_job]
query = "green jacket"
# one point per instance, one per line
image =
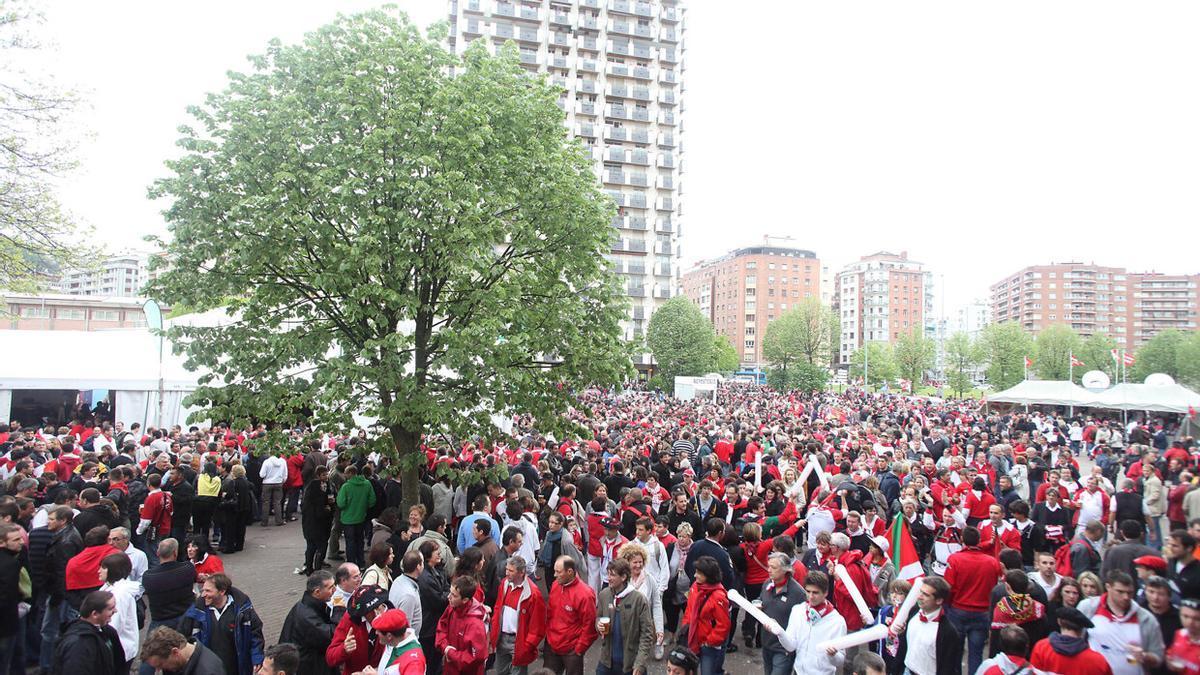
(637, 630)
(356, 496)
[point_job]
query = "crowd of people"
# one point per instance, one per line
(849, 532)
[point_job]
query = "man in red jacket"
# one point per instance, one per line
(82, 575)
(972, 573)
(155, 520)
(461, 632)
(997, 533)
(1067, 651)
(571, 622)
(518, 619)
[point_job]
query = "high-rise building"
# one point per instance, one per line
(619, 64)
(971, 318)
(115, 277)
(1130, 307)
(744, 290)
(881, 297)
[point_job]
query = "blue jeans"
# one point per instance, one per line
(1154, 533)
(173, 624)
(777, 661)
(712, 661)
(51, 620)
(974, 626)
(602, 669)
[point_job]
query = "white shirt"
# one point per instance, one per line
(802, 638)
(139, 562)
(1111, 640)
(509, 616)
(530, 545)
(657, 565)
(124, 620)
(273, 471)
(1048, 587)
(921, 657)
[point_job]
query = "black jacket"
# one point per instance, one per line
(169, 589)
(10, 592)
(65, 545)
(705, 547)
(435, 590)
(93, 516)
(205, 661)
(309, 627)
(949, 647)
(779, 606)
(85, 648)
(316, 510)
(1186, 580)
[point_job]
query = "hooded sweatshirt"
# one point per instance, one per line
(1066, 654)
(83, 572)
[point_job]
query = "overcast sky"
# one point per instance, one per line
(979, 137)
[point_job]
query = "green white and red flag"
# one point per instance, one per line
(904, 551)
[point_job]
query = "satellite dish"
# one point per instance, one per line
(1095, 379)
(1159, 380)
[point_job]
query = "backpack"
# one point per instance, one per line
(649, 513)
(1062, 557)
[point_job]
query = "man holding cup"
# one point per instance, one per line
(626, 628)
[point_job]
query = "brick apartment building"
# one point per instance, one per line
(879, 298)
(1130, 307)
(744, 290)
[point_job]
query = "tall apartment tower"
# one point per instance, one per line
(881, 297)
(620, 66)
(744, 290)
(1129, 307)
(115, 277)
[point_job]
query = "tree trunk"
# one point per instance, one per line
(407, 447)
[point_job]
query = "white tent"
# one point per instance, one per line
(1040, 392)
(1168, 398)
(124, 362)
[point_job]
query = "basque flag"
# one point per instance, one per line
(904, 551)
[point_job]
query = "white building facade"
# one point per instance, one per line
(115, 277)
(620, 65)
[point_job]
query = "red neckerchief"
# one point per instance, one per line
(936, 617)
(1104, 611)
(823, 609)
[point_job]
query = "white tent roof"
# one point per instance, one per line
(116, 359)
(1170, 398)
(1039, 392)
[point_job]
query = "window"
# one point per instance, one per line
(749, 344)
(70, 314)
(749, 318)
(751, 280)
(105, 315)
(35, 313)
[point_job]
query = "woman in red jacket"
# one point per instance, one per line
(706, 621)
(351, 648)
(754, 552)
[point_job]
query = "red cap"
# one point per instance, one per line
(1152, 561)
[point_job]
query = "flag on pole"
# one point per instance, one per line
(1075, 363)
(1116, 354)
(1028, 362)
(904, 551)
(1128, 359)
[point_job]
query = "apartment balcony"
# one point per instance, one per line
(589, 43)
(530, 13)
(664, 225)
(667, 55)
(585, 109)
(630, 245)
(640, 136)
(663, 293)
(635, 291)
(668, 76)
(630, 223)
(640, 93)
(670, 14)
(617, 69)
(639, 157)
(587, 66)
(590, 23)
(634, 270)
(666, 140)
(669, 35)
(503, 9)
(623, 6)
(666, 160)
(641, 114)
(643, 9)
(618, 90)
(666, 117)
(621, 27)
(530, 35)
(642, 73)
(638, 200)
(621, 48)
(473, 27)
(559, 62)
(594, 4)
(666, 182)
(529, 57)
(639, 314)
(586, 86)
(643, 51)
(615, 177)
(559, 38)
(639, 179)
(665, 204)
(504, 31)
(586, 130)
(616, 134)
(667, 97)
(662, 270)
(559, 18)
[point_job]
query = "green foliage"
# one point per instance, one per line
(727, 356)
(35, 151)
(805, 377)
(880, 363)
(802, 335)
(1188, 360)
(963, 356)
(1096, 354)
(1159, 355)
(1052, 353)
(914, 354)
(682, 340)
(1005, 347)
(361, 205)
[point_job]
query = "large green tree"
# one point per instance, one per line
(727, 356)
(396, 234)
(682, 340)
(1096, 354)
(1188, 359)
(36, 149)
(914, 354)
(1005, 348)
(801, 335)
(1052, 352)
(963, 356)
(877, 360)
(1159, 355)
